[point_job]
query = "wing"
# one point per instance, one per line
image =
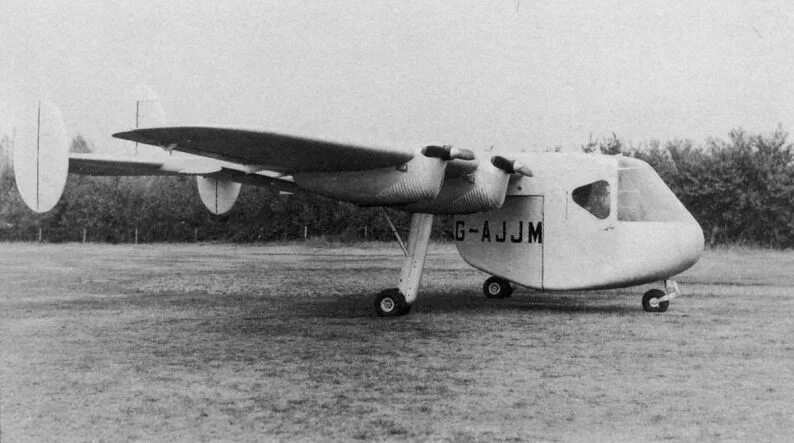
(436, 179)
(269, 151)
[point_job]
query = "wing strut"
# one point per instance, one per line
(396, 234)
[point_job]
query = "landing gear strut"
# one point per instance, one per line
(495, 287)
(397, 301)
(657, 300)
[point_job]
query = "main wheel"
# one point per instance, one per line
(650, 301)
(496, 287)
(391, 303)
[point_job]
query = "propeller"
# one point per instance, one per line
(447, 153)
(510, 166)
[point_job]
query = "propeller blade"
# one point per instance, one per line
(447, 153)
(510, 166)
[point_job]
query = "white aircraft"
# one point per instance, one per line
(546, 221)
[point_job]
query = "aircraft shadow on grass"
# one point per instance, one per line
(472, 301)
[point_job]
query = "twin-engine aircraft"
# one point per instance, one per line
(545, 221)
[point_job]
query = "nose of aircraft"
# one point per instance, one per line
(692, 243)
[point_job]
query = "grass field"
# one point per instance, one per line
(223, 342)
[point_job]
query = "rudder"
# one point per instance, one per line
(41, 164)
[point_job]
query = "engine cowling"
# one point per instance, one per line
(418, 179)
(481, 190)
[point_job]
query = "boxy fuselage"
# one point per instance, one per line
(582, 222)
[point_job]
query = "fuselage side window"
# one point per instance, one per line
(594, 198)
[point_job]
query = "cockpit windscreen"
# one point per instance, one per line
(644, 197)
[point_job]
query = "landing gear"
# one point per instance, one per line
(390, 303)
(397, 301)
(657, 300)
(496, 287)
(650, 301)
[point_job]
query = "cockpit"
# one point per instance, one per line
(642, 196)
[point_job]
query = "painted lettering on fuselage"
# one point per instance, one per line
(502, 232)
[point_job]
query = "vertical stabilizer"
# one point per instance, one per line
(41, 160)
(218, 196)
(149, 113)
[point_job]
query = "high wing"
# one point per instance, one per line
(243, 156)
(363, 174)
(278, 152)
(269, 151)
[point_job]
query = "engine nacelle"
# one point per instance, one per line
(418, 179)
(482, 190)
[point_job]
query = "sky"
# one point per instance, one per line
(514, 74)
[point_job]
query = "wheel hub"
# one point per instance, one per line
(387, 305)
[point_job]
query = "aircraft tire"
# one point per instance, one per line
(495, 287)
(646, 301)
(391, 303)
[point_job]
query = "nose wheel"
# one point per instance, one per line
(651, 303)
(496, 287)
(657, 300)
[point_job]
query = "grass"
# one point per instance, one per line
(209, 342)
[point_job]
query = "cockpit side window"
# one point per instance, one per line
(594, 198)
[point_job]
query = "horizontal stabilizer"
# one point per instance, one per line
(112, 165)
(108, 165)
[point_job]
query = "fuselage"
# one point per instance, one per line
(582, 222)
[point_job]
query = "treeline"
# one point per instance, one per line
(168, 209)
(741, 190)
